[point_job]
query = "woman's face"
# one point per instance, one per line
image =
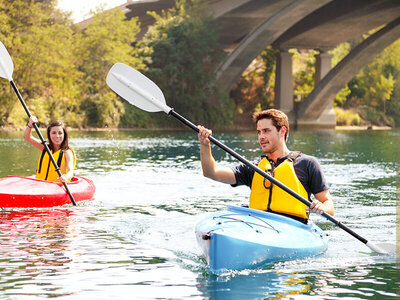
(56, 135)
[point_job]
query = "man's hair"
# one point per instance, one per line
(278, 118)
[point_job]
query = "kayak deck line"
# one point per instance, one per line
(228, 217)
(233, 219)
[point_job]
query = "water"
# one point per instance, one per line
(136, 239)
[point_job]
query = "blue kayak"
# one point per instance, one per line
(239, 238)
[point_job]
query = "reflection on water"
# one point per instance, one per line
(254, 285)
(137, 237)
(33, 243)
(378, 281)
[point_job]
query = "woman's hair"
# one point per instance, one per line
(64, 144)
(279, 119)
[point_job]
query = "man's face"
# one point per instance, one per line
(268, 136)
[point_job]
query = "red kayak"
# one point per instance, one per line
(16, 191)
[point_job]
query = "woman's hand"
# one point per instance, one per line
(32, 120)
(63, 178)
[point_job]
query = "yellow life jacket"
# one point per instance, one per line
(268, 197)
(45, 168)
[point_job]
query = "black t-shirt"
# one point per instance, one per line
(307, 169)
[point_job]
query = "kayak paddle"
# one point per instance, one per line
(140, 91)
(6, 71)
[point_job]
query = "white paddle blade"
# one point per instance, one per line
(136, 88)
(388, 247)
(6, 64)
(383, 248)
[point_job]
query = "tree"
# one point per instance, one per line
(105, 41)
(40, 41)
(255, 89)
(303, 72)
(376, 88)
(181, 51)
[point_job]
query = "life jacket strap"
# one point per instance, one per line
(59, 160)
(41, 160)
(292, 156)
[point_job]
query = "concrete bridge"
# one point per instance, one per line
(247, 27)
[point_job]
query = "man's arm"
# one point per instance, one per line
(310, 173)
(208, 164)
(323, 203)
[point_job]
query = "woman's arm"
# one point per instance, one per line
(28, 134)
(69, 161)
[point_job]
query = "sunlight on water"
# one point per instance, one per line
(137, 237)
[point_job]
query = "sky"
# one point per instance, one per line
(81, 8)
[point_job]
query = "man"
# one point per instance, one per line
(301, 173)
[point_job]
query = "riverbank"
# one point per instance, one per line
(239, 128)
(12, 129)
(363, 127)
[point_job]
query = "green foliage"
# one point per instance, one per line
(375, 91)
(7, 102)
(255, 89)
(377, 88)
(59, 68)
(342, 96)
(347, 117)
(303, 72)
(105, 41)
(135, 117)
(181, 52)
(375, 117)
(340, 52)
(103, 110)
(39, 40)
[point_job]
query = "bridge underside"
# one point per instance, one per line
(247, 27)
(307, 24)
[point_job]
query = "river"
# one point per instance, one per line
(136, 239)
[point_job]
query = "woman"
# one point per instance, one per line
(63, 154)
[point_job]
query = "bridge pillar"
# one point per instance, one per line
(323, 66)
(327, 119)
(284, 84)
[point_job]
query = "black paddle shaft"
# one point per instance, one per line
(46, 147)
(266, 175)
